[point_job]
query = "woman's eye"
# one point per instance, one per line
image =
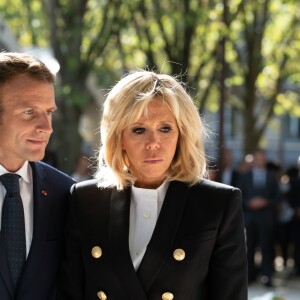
(138, 130)
(166, 129)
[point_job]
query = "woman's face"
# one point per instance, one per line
(150, 145)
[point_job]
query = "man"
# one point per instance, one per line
(294, 199)
(260, 191)
(27, 102)
(229, 174)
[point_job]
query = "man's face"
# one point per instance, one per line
(259, 159)
(25, 121)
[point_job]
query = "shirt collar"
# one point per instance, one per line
(24, 172)
(160, 191)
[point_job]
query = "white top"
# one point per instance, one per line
(145, 207)
(26, 191)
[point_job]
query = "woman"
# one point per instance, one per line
(149, 226)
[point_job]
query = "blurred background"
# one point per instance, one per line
(239, 59)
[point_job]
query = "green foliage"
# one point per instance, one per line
(180, 37)
(26, 19)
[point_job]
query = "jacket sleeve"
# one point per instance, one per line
(227, 278)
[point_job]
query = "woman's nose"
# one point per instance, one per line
(153, 141)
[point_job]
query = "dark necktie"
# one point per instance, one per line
(13, 226)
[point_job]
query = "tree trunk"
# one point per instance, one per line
(68, 138)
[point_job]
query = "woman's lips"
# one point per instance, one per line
(153, 160)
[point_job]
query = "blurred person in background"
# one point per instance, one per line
(284, 229)
(260, 190)
(229, 172)
(294, 199)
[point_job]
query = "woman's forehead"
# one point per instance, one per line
(156, 106)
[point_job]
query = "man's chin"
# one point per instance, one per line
(36, 155)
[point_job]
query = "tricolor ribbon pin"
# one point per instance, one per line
(44, 193)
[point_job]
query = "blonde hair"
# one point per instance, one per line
(125, 104)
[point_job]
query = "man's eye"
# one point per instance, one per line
(138, 130)
(50, 112)
(28, 112)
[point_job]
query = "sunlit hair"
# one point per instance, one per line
(125, 104)
(14, 64)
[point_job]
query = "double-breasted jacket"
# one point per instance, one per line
(197, 250)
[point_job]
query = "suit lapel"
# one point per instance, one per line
(41, 209)
(165, 230)
(118, 236)
(4, 268)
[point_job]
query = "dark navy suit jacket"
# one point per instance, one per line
(204, 220)
(51, 189)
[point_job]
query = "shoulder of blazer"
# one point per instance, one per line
(45, 169)
(215, 191)
(213, 185)
(208, 188)
(87, 193)
(89, 187)
(91, 204)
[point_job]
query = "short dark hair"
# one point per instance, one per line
(13, 64)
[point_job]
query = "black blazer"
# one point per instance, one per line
(205, 220)
(51, 189)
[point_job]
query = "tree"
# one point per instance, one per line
(78, 32)
(177, 37)
(263, 43)
(180, 37)
(184, 37)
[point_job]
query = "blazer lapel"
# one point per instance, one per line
(118, 239)
(165, 230)
(4, 268)
(41, 208)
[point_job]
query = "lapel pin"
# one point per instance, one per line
(44, 193)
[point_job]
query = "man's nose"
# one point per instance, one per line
(45, 124)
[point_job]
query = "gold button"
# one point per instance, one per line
(179, 254)
(96, 252)
(147, 214)
(167, 296)
(101, 295)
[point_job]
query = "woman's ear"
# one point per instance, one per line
(122, 144)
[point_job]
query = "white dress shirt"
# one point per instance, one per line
(26, 192)
(145, 207)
